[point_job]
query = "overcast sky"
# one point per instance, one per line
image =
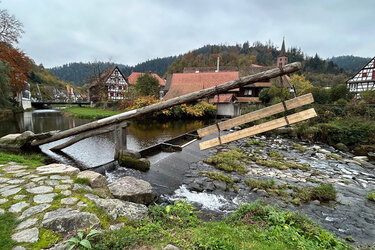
(132, 31)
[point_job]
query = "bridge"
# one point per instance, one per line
(44, 104)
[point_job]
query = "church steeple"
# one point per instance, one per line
(282, 59)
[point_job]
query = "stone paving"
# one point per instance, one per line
(47, 197)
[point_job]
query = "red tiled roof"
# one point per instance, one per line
(247, 99)
(132, 79)
(223, 98)
(184, 83)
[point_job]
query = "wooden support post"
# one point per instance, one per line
(120, 139)
(262, 76)
(256, 115)
(267, 126)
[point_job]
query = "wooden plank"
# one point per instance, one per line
(262, 76)
(267, 126)
(258, 114)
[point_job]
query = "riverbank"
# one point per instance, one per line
(89, 113)
(45, 205)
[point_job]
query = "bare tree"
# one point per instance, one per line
(10, 28)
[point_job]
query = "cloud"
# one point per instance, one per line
(132, 31)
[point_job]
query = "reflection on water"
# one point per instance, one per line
(99, 149)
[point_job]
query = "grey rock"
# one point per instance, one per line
(360, 158)
(2, 211)
(220, 185)
(196, 186)
(31, 176)
(82, 204)
(29, 235)
(63, 187)
(44, 198)
(2, 201)
(57, 169)
(66, 192)
(367, 165)
(170, 247)
(96, 180)
(52, 182)
(131, 189)
(130, 153)
(117, 208)
(77, 187)
(59, 177)
(27, 223)
(40, 190)
(19, 197)
(3, 180)
(92, 197)
(30, 185)
(209, 186)
(19, 175)
(11, 191)
(342, 147)
(14, 168)
(39, 178)
(316, 202)
(67, 181)
(18, 248)
(116, 227)
(66, 220)
(34, 210)
(16, 208)
(262, 192)
(16, 181)
(69, 201)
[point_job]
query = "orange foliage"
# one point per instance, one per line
(19, 63)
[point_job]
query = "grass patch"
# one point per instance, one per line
(371, 196)
(31, 160)
(324, 192)
(299, 147)
(282, 165)
(334, 156)
(253, 183)
(255, 142)
(7, 225)
(83, 181)
(46, 239)
(275, 155)
(229, 161)
(89, 113)
(221, 177)
(252, 226)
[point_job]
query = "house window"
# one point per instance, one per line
(364, 74)
(248, 92)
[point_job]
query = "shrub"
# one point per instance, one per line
(323, 192)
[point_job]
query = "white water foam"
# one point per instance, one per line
(207, 201)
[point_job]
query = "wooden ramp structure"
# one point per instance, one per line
(256, 115)
(117, 122)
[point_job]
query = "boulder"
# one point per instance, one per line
(131, 189)
(342, 147)
(130, 153)
(57, 169)
(10, 141)
(117, 208)
(29, 235)
(96, 180)
(138, 164)
(65, 220)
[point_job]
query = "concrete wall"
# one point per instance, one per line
(228, 109)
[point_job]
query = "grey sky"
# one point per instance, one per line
(132, 31)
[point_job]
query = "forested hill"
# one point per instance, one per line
(80, 73)
(351, 64)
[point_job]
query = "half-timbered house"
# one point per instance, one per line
(364, 79)
(110, 86)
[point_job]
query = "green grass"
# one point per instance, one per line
(31, 160)
(7, 225)
(89, 113)
(371, 196)
(221, 177)
(275, 155)
(84, 181)
(334, 156)
(253, 183)
(252, 226)
(229, 161)
(255, 142)
(299, 147)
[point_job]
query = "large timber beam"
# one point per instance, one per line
(258, 114)
(257, 129)
(262, 76)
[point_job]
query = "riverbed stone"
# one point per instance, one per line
(2, 201)
(65, 220)
(40, 190)
(28, 235)
(11, 191)
(62, 187)
(2, 211)
(66, 192)
(27, 223)
(16, 208)
(3, 180)
(44, 198)
(117, 208)
(131, 189)
(16, 181)
(141, 164)
(34, 210)
(116, 226)
(18, 248)
(59, 177)
(77, 187)
(51, 182)
(96, 180)
(57, 169)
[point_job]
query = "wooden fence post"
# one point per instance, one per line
(120, 139)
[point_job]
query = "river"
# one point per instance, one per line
(96, 150)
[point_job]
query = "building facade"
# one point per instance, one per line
(364, 79)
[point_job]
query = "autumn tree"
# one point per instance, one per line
(5, 93)
(20, 66)
(10, 28)
(147, 85)
(301, 85)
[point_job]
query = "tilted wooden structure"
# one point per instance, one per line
(109, 123)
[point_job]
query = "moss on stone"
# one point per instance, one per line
(84, 181)
(138, 164)
(47, 238)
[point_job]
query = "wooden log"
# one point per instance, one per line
(267, 126)
(262, 76)
(258, 114)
